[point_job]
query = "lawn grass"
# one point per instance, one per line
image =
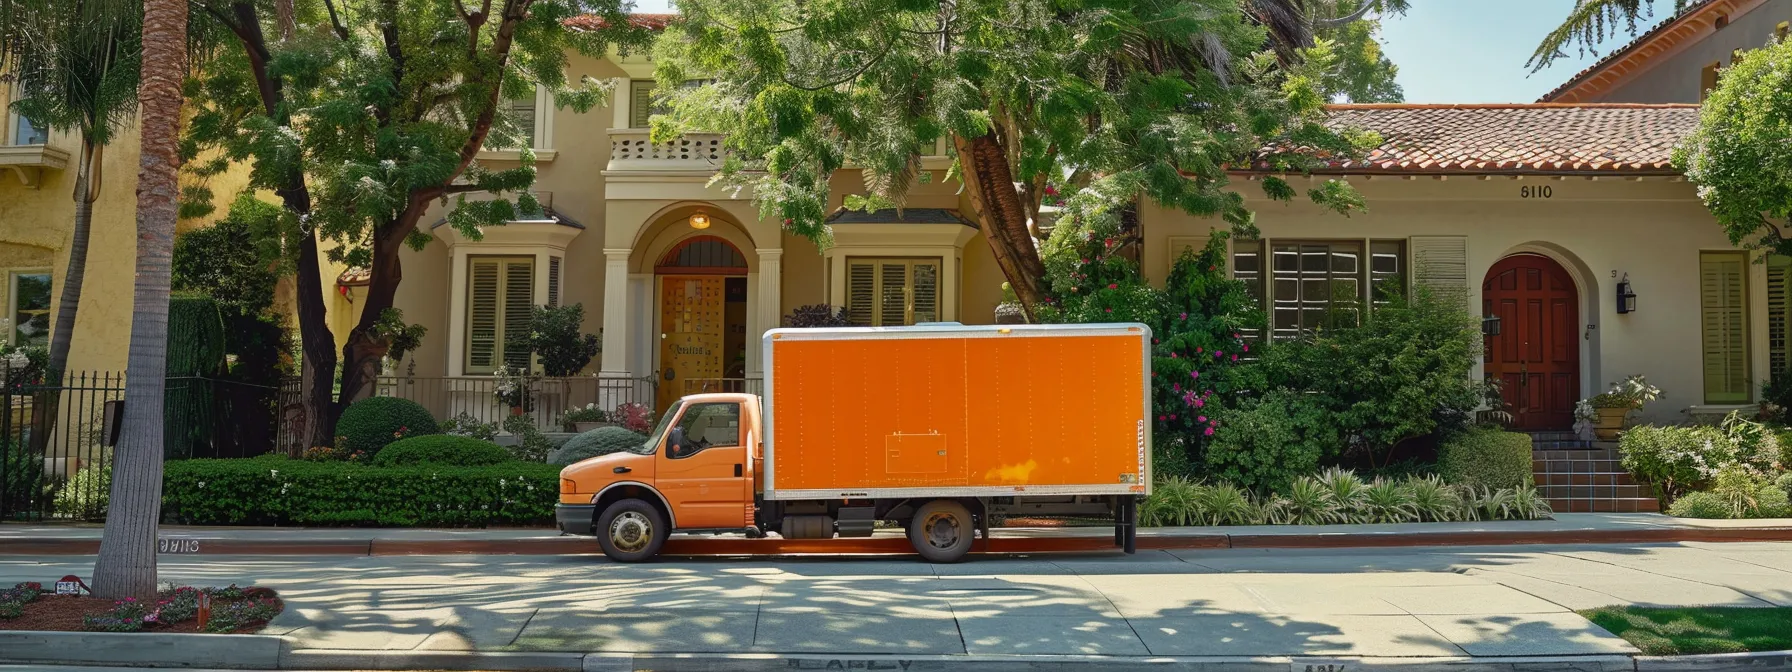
(1694, 630)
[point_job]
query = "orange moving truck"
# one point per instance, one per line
(935, 427)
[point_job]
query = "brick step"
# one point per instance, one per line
(1553, 436)
(1576, 467)
(1595, 491)
(1643, 505)
(1598, 478)
(1576, 454)
(1561, 445)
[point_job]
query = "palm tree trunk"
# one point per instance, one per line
(989, 181)
(126, 566)
(48, 406)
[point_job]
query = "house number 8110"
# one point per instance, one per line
(1540, 191)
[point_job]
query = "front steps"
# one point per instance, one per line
(1585, 476)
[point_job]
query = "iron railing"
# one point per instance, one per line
(547, 398)
(737, 385)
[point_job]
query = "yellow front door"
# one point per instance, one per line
(691, 333)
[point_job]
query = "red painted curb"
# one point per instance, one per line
(732, 546)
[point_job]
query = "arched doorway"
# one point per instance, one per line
(1536, 356)
(703, 315)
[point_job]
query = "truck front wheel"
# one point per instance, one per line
(942, 531)
(631, 530)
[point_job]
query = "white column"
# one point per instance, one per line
(615, 353)
(766, 307)
(457, 311)
(621, 102)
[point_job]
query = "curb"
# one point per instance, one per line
(727, 546)
(257, 652)
(1717, 662)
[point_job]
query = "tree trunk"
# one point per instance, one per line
(364, 351)
(989, 181)
(318, 365)
(126, 566)
(48, 405)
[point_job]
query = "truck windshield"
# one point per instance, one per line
(659, 430)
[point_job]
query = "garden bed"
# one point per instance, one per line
(233, 610)
(1698, 630)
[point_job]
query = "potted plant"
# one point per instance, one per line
(513, 389)
(1612, 407)
(581, 420)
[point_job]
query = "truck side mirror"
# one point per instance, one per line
(675, 439)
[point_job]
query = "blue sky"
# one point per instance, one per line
(1459, 51)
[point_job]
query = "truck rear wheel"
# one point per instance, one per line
(942, 531)
(631, 530)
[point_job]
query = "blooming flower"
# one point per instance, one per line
(1209, 432)
(1194, 374)
(1113, 285)
(1201, 419)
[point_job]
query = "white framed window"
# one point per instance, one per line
(22, 132)
(532, 117)
(500, 296)
(892, 292)
(1305, 284)
(28, 307)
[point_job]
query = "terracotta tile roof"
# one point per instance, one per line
(589, 22)
(1695, 20)
(1520, 138)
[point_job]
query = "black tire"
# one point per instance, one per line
(942, 531)
(620, 531)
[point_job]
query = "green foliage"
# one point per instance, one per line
(1433, 499)
(85, 495)
(370, 424)
(464, 424)
(600, 441)
(1737, 154)
(228, 261)
(195, 336)
(532, 445)
(1360, 71)
(555, 339)
(1172, 504)
(817, 316)
(400, 338)
(440, 449)
(1676, 460)
(25, 481)
(1264, 444)
(1403, 373)
(1486, 458)
(1685, 631)
(73, 65)
(289, 492)
(801, 89)
(1589, 23)
(1198, 343)
(1336, 496)
(1389, 502)
(1784, 482)
(1700, 505)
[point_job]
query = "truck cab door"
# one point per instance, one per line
(703, 471)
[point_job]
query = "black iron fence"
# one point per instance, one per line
(545, 401)
(57, 437)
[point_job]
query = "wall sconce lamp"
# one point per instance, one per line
(699, 220)
(1490, 325)
(1626, 296)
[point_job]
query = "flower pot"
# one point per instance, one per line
(516, 410)
(1609, 422)
(582, 427)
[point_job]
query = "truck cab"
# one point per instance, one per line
(694, 473)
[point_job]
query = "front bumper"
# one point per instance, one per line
(575, 518)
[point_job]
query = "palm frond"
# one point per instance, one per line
(1589, 24)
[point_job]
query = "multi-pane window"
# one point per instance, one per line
(1307, 285)
(892, 292)
(1723, 324)
(26, 133)
(500, 295)
(30, 308)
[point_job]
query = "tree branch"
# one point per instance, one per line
(336, 21)
(888, 47)
(1347, 18)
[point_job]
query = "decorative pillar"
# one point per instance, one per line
(766, 307)
(616, 323)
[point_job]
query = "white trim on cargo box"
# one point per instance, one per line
(958, 331)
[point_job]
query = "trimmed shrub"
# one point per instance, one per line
(1265, 444)
(1785, 482)
(1772, 502)
(87, 493)
(1700, 505)
(442, 450)
(369, 424)
(1486, 458)
(257, 492)
(600, 441)
(1669, 458)
(24, 476)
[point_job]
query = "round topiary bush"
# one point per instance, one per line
(369, 424)
(600, 441)
(441, 449)
(1700, 505)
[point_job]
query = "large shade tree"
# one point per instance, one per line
(1738, 156)
(364, 114)
(126, 566)
(1120, 99)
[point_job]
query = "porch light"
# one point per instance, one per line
(700, 220)
(1626, 297)
(1490, 325)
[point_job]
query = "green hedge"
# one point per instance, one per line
(369, 424)
(600, 441)
(292, 492)
(441, 450)
(1486, 458)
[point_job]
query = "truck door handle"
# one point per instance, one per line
(737, 471)
(621, 470)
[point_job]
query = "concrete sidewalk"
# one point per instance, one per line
(1254, 607)
(27, 539)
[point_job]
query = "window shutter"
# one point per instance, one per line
(861, 288)
(641, 99)
(1441, 263)
(553, 282)
(1724, 321)
(925, 288)
(519, 294)
(892, 294)
(482, 315)
(1779, 271)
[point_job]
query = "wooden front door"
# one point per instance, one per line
(1537, 354)
(691, 333)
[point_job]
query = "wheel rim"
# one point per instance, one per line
(630, 531)
(942, 530)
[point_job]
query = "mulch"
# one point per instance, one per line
(63, 613)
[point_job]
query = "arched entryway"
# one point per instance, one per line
(1536, 356)
(702, 296)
